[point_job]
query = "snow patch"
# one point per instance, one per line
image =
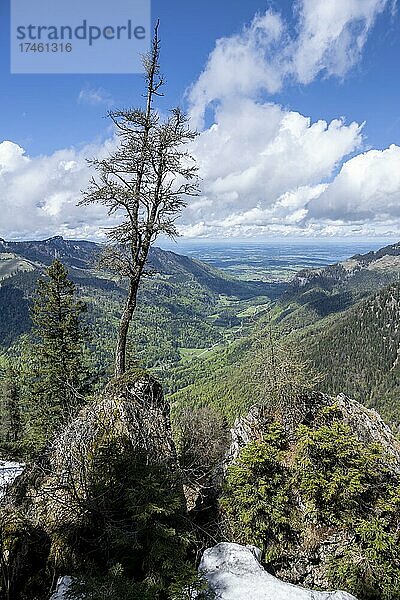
(63, 585)
(8, 472)
(234, 573)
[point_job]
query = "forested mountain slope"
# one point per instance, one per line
(80, 257)
(185, 306)
(348, 336)
(360, 272)
(199, 328)
(361, 351)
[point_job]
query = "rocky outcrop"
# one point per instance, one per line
(58, 497)
(131, 412)
(234, 573)
(359, 268)
(366, 423)
(369, 426)
(307, 561)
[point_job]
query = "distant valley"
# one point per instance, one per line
(342, 319)
(186, 306)
(196, 326)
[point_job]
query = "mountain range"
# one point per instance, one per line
(185, 304)
(342, 320)
(197, 327)
(360, 274)
(312, 477)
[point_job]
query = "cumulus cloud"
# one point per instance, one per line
(261, 164)
(239, 65)
(11, 157)
(331, 36)
(266, 171)
(283, 189)
(366, 188)
(329, 39)
(39, 195)
(363, 199)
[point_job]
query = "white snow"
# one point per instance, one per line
(234, 573)
(8, 472)
(63, 585)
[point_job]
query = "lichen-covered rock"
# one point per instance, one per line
(131, 412)
(369, 426)
(69, 493)
(234, 573)
(366, 423)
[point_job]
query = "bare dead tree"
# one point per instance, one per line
(283, 379)
(144, 184)
(202, 438)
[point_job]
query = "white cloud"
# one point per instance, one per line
(290, 196)
(367, 188)
(266, 171)
(261, 165)
(331, 36)
(362, 200)
(329, 39)
(239, 66)
(95, 96)
(11, 157)
(38, 196)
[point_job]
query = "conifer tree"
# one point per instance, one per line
(10, 410)
(56, 362)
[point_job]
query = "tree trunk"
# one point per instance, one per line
(126, 318)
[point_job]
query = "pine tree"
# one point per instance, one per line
(10, 410)
(56, 369)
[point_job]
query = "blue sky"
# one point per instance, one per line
(49, 114)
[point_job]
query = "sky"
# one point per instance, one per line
(296, 104)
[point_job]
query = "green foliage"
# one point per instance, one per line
(201, 438)
(129, 537)
(281, 378)
(357, 352)
(10, 411)
(353, 350)
(14, 314)
(258, 369)
(370, 567)
(337, 476)
(256, 501)
(326, 480)
(135, 530)
(55, 375)
(189, 584)
(115, 585)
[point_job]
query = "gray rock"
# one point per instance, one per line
(306, 563)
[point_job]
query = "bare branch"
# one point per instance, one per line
(147, 181)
